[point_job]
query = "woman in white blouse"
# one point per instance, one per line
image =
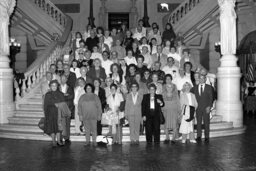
(114, 101)
(187, 101)
(79, 91)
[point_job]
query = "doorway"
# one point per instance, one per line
(115, 20)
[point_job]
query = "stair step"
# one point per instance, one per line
(28, 106)
(125, 138)
(35, 120)
(29, 113)
(216, 118)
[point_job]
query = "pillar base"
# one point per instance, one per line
(7, 105)
(228, 104)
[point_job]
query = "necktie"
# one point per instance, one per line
(158, 58)
(201, 90)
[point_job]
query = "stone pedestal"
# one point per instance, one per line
(6, 73)
(228, 103)
(133, 15)
(6, 90)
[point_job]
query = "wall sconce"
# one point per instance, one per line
(217, 47)
(14, 49)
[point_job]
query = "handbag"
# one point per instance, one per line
(162, 119)
(41, 123)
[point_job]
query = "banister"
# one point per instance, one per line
(50, 9)
(33, 67)
(37, 69)
(182, 10)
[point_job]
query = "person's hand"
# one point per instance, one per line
(208, 109)
(159, 101)
(56, 104)
(144, 118)
(80, 118)
(66, 94)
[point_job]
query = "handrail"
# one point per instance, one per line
(182, 10)
(50, 9)
(37, 69)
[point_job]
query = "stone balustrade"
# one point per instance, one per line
(182, 10)
(33, 77)
(50, 9)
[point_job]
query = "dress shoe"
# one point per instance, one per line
(86, 144)
(54, 144)
(166, 141)
(67, 141)
(207, 140)
(198, 139)
(192, 141)
(60, 144)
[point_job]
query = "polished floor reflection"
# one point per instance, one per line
(227, 153)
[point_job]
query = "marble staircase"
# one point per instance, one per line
(23, 125)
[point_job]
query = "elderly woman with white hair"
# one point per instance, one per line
(188, 104)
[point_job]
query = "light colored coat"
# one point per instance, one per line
(131, 109)
(114, 103)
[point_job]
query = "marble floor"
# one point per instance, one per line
(226, 153)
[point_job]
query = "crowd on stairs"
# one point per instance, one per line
(138, 77)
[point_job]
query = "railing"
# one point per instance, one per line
(182, 10)
(38, 68)
(50, 9)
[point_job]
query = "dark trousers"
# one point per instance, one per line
(99, 128)
(153, 127)
(202, 115)
(66, 128)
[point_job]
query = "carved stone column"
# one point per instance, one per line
(6, 73)
(133, 15)
(103, 14)
(91, 18)
(146, 18)
(228, 76)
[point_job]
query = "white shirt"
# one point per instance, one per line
(79, 91)
(154, 50)
(199, 88)
(96, 55)
(63, 88)
(180, 81)
(77, 43)
(76, 71)
(175, 56)
(138, 35)
(106, 65)
(189, 96)
(130, 60)
(148, 60)
(141, 46)
(108, 41)
(174, 71)
(134, 97)
(152, 102)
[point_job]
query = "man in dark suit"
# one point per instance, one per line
(71, 77)
(188, 72)
(92, 41)
(204, 96)
(68, 92)
(151, 112)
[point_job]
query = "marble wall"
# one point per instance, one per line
(81, 19)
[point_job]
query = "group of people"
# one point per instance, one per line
(149, 76)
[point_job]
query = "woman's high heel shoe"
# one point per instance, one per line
(60, 144)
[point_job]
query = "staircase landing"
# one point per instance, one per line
(23, 125)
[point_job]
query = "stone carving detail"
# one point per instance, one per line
(228, 26)
(6, 9)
